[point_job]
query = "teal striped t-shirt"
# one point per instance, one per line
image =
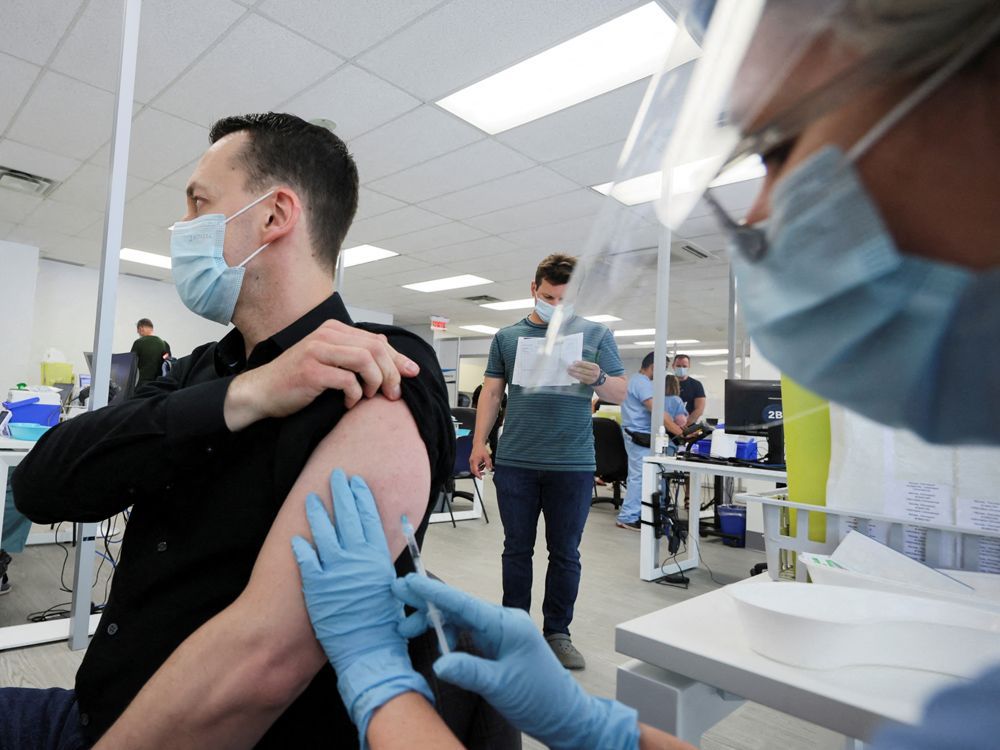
(549, 428)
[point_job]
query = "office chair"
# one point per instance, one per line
(611, 459)
(463, 449)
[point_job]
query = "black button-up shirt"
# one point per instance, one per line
(203, 501)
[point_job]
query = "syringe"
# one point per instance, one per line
(432, 612)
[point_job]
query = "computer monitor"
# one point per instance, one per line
(124, 373)
(753, 407)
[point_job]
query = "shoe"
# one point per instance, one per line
(565, 651)
(633, 525)
(4, 586)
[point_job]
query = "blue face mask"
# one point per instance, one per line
(205, 282)
(836, 306)
(545, 311)
(680, 371)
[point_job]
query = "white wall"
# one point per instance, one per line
(65, 313)
(470, 373)
(18, 274)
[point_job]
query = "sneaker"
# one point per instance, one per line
(633, 525)
(565, 651)
(4, 586)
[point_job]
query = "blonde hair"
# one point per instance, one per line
(673, 386)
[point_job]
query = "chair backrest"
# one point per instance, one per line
(466, 417)
(463, 449)
(609, 450)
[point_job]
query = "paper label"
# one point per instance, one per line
(532, 369)
(915, 542)
(989, 555)
(926, 502)
(978, 513)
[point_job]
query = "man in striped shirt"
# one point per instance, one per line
(545, 457)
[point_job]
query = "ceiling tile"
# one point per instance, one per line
(179, 179)
(171, 35)
(162, 143)
(256, 66)
(144, 236)
(592, 167)
(62, 217)
(33, 28)
(17, 77)
(38, 236)
(36, 161)
(468, 166)
(345, 26)
(392, 224)
(386, 268)
(5, 227)
(354, 99)
(65, 116)
(580, 202)
(371, 204)
(566, 236)
(522, 187)
(596, 122)
(16, 206)
(466, 40)
(485, 246)
(160, 206)
(435, 237)
(88, 188)
(413, 138)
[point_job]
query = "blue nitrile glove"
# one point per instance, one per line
(521, 678)
(347, 584)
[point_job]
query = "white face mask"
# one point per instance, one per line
(681, 372)
(545, 311)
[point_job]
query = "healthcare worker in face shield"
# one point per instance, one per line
(872, 250)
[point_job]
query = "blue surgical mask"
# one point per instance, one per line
(545, 311)
(680, 371)
(835, 305)
(205, 282)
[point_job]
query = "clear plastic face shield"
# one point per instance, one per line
(742, 80)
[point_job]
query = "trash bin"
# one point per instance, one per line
(733, 520)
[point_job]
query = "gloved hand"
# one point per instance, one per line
(347, 585)
(521, 677)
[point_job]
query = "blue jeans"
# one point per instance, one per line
(564, 499)
(33, 719)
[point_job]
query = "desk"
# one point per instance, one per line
(649, 545)
(12, 452)
(692, 666)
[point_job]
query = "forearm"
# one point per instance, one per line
(699, 409)
(95, 465)
(651, 738)
(671, 426)
(219, 689)
(409, 721)
(486, 416)
(614, 389)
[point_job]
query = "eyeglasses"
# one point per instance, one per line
(750, 242)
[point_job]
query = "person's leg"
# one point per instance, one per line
(565, 504)
(32, 719)
(519, 501)
(631, 507)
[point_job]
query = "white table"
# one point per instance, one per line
(12, 452)
(692, 666)
(649, 546)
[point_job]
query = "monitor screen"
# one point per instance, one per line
(123, 374)
(752, 406)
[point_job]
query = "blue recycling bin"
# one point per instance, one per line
(733, 521)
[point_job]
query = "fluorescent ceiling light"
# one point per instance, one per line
(648, 187)
(452, 282)
(601, 318)
(513, 304)
(616, 53)
(644, 343)
(355, 256)
(706, 352)
(481, 329)
(141, 256)
(713, 362)
(636, 332)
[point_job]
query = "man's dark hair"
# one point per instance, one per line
(555, 269)
(648, 360)
(284, 148)
(144, 323)
(681, 356)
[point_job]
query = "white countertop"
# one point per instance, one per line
(702, 639)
